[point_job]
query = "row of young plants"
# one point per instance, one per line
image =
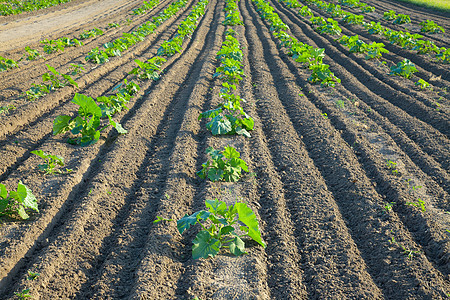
(309, 56)
(404, 68)
(14, 7)
(220, 220)
(373, 50)
(93, 116)
(51, 46)
(119, 45)
(151, 69)
(410, 41)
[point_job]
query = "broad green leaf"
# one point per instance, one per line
(215, 154)
(248, 123)
(205, 246)
(215, 174)
(40, 153)
(22, 213)
(61, 124)
(231, 176)
(239, 163)
(219, 125)
(3, 205)
(187, 221)
(87, 105)
(51, 69)
(226, 229)
(230, 153)
(241, 131)
(3, 191)
(210, 113)
(26, 197)
(216, 206)
(70, 80)
(247, 217)
(237, 246)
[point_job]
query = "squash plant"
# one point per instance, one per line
(223, 165)
(86, 123)
(17, 202)
(218, 225)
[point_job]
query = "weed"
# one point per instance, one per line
(388, 206)
(25, 293)
(325, 116)
(340, 104)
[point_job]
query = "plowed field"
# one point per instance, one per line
(321, 188)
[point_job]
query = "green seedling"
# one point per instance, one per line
(17, 202)
(24, 294)
(388, 206)
(402, 19)
(223, 165)
(404, 68)
(431, 27)
(55, 78)
(86, 123)
(422, 84)
(218, 228)
(76, 69)
(420, 204)
(32, 275)
(325, 116)
(7, 63)
(52, 161)
(410, 253)
(149, 69)
(113, 25)
(392, 166)
(32, 53)
(389, 15)
(6, 108)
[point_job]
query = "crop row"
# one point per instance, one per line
(15, 7)
(51, 46)
(309, 56)
(86, 126)
(410, 41)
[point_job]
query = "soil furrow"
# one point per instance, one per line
(339, 167)
(19, 79)
(12, 123)
(341, 63)
(436, 146)
(51, 256)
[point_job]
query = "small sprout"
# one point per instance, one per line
(340, 104)
(410, 253)
(23, 294)
(325, 116)
(420, 204)
(32, 275)
(392, 166)
(388, 206)
(52, 160)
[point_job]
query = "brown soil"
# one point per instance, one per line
(319, 155)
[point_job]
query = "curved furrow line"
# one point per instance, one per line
(58, 210)
(103, 80)
(134, 230)
(50, 24)
(85, 220)
(377, 16)
(285, 277)
(307, 195)
(436, 146)
(421, 60)
(355, 198)
(414, 10)
(375, 84)
(19, 79)
(428, 229)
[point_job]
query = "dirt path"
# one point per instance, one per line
(22, 32)
(321, 191)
